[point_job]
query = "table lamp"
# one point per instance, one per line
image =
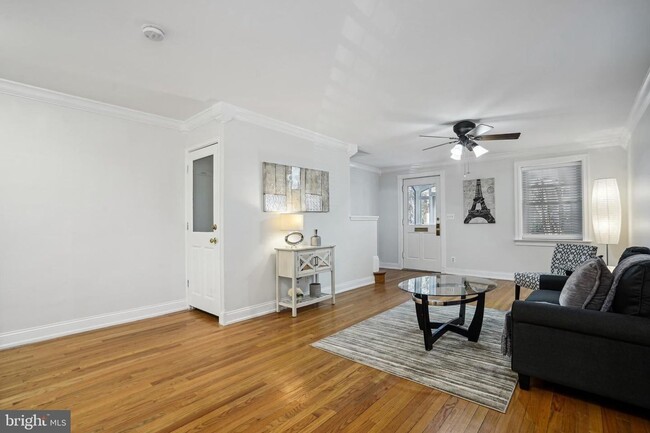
(292, 223)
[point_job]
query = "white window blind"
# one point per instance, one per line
(552, 201)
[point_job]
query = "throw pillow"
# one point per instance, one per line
(630, 292)
(588, 286)
(630, 251)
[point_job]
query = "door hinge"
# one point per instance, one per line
(188, 283)
(402, 254)
(187, 226)
(187, 169)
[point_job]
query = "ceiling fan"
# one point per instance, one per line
(468, 134)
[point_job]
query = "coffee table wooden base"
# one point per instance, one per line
(434, 330)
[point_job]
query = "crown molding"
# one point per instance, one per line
(607, 138)
(365, 167)
(641, 103)
(352, 149)
(219, 112)
(224, 112)
(263, 121)
(532, 153)
(52, 97)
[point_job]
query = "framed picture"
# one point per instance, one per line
(478, 199)
(295, 189)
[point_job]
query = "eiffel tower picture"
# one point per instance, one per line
(478, 201)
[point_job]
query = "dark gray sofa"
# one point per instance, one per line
(605, 353)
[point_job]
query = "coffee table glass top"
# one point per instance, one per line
(447, 285)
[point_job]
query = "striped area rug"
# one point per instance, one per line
(392, 342)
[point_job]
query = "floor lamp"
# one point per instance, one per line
(606, 213)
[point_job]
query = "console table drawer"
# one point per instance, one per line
(311, 262)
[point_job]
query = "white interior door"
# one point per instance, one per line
(203, 267)
(421, 220)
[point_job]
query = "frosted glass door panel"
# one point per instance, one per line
(203, 194)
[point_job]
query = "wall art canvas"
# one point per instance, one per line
(295, 189)
(478, 200)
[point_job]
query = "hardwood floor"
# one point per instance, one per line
(184, 373)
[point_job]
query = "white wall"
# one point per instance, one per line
(91, 219)
(489, 249)
(251, 234)
(639, 154)
(364, 192)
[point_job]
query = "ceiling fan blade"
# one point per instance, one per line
(511, 136)
(479, 129)
(438, 145)
(437, 136)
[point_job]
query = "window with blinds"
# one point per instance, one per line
(552, 201)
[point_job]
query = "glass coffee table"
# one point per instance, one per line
(448, 290)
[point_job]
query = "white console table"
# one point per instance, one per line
(294, 263)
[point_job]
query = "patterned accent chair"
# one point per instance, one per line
(566, 257)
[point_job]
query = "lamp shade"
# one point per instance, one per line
(606, 211)
(291, 222)
(479, 150)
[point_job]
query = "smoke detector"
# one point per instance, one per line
(153, 33)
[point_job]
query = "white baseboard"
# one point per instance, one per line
(509, 276)
(46, 332)
(387, 265)
(350, 285)
(245, 313)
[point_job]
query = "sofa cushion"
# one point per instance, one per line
(588, 286)
(633, 291)
(549, 296)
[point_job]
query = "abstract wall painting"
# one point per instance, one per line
(295, 189)
(478, 200)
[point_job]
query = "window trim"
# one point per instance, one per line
(552, 162)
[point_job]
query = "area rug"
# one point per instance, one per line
(392, 342)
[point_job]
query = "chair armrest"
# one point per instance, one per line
(552, 282)
(622, 327)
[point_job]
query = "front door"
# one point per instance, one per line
(203, 281)
(422, 246)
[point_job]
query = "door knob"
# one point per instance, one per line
(213, 240)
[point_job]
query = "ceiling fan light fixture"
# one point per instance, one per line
(467, 132)
(479, 150)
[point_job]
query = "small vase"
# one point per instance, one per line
(315, 240)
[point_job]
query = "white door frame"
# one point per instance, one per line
(219, 153)
(443, 218)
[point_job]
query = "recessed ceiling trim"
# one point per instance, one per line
(52, 97)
